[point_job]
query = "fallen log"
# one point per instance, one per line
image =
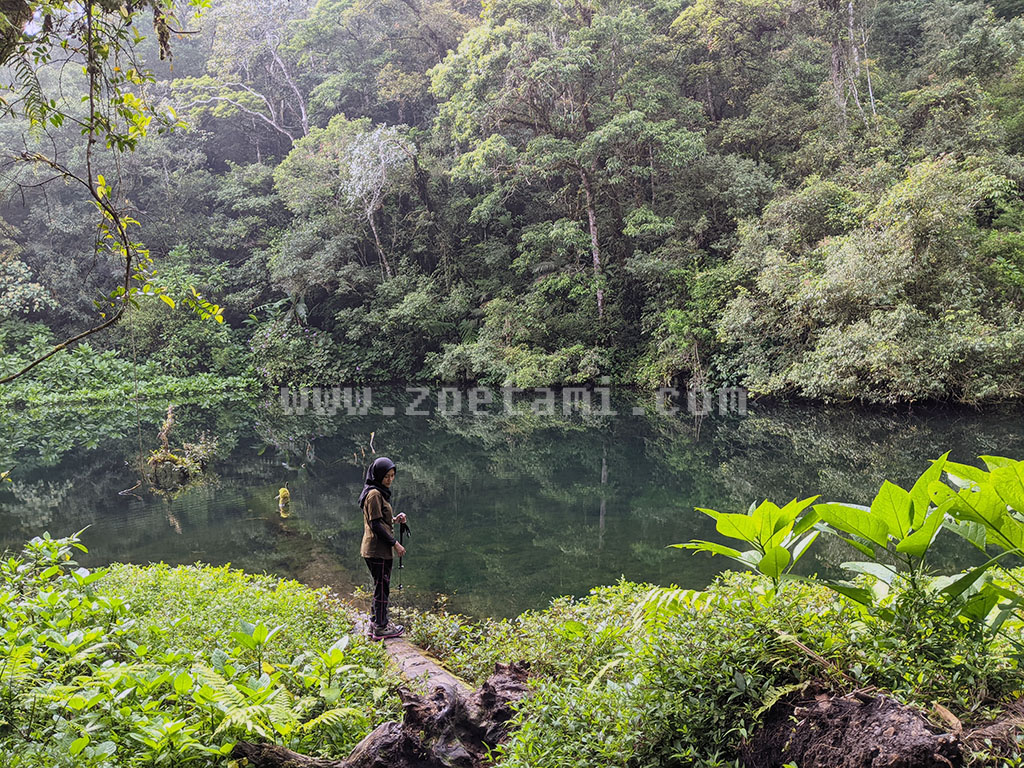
(445, 729)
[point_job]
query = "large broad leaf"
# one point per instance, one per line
(892, 506)
(858, 594)
(774, 563)
(919, 492)
(784, 525)
(965, 473)
(995, 462)
(766, 519)
(732, 525)
(709, 547)
(1008, 482)
(982, 506)
(860, 546)
(961, 584)
(972, 532)
(805, 523)
(801, 546)
(750, 558)
(1011, 533)
(854, 520)
(883, 573)
(917, 543)
(978, 607)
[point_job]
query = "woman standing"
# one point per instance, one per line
(379, 542)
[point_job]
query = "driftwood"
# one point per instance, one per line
(446, 729)
(854, 731)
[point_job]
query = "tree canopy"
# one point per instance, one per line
(811, 198)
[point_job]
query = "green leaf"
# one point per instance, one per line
(854, 520)
(734, 526)
(710, 547)
(803, 544)
(859, 546)
(183, 683)
(965, 582)
(978, 607)
(972, 532)
(50, 572)
(259, 634)
(806, 522)
(167, 300)
(917, 543)
(892, 505)
(767, 521)
(1008, 482)
(881, 572)
(919, 492)
(81, 742)
(995, 462)
(774, 563)
(244, 640)
(857, 594)
(965, 472)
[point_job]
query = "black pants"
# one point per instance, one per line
(380, 569)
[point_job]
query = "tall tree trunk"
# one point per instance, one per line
(853, 75)
(838, 87)
(385, 266)
(595, 248)
(867, 71)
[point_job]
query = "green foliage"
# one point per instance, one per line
(86, 375)
(778, 540)
(617, 685)
(290, 353)
(887, 311)
(138, 666)
(804, 199)
(947, 621)
(988, 510)
(182, 341)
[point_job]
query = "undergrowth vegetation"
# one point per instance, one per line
(642, 676)
(133, 666)
(621, 680)
(85, 375)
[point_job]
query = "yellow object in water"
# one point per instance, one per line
(284, 500)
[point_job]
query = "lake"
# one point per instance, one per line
(506, 510)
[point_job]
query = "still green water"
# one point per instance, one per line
(506, 512)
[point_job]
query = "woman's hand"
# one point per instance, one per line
(399, 549)
(400, 517)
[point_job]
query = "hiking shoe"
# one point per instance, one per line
(385, 633)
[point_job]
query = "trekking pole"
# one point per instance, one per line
(403, 529)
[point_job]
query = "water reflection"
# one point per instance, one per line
(506, 512)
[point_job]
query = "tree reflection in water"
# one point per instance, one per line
(506, 511)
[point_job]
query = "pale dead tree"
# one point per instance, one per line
(375, 163)
(848, 44)
(250, 64)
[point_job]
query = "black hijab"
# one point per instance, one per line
(374, 475)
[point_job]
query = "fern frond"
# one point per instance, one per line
(35, 105)
(332, 718)
(662, 603)
(224, 692)
(15, 669)
(251, 719)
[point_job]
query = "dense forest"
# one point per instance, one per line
(806, 197)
